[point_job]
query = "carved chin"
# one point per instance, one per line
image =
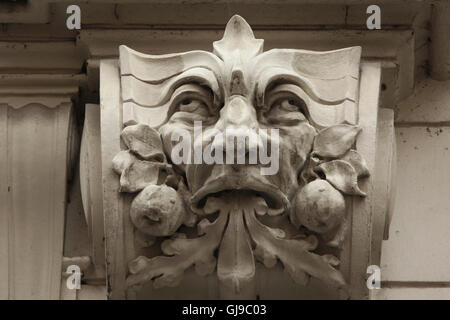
(225, 178)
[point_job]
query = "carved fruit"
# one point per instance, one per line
(319, 206)
(157, 210)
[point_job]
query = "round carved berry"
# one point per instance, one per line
(319, 206)
(157, 210)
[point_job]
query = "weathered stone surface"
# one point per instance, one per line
(136, 174)
(216, 89)
(342, 176)
(429, 104)
(417, 248)
(35, 144)
(157, 211)
(335, 141)
(319, 206)
(144, 142)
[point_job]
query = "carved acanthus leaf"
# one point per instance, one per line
(342, 176)
(136, 174)
(236, 268)
(144, 142)
(184, 253)
(333, 157)
(295, 255)
(357, 162)
(144, 163)
(335, 141)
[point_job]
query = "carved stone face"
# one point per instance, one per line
(240, 87)
(287, 110)
(239, 110)
(248, 92)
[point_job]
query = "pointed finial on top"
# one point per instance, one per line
(238, 36)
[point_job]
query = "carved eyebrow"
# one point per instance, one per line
(271, 76)
(283, 89)
(320, 115)
(153, 95)
(158, 68)
(328, 77)
(150, 80)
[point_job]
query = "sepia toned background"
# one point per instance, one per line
(49, 76)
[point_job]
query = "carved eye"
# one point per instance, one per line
(286, 111)
(191, 102)
(193, 105)
(192, 108)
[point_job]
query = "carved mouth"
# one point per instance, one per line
(276, 201)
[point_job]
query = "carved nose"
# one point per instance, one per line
(238, 121)
(237, 113)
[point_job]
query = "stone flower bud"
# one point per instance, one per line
(157, 210)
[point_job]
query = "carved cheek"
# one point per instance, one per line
(166, 132)
(295, 145)
(299, 140)
(170, 130)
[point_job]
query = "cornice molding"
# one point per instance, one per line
(395, 48)
(41, 57)
(18, 90)
(148, 26)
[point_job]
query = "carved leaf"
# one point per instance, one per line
(307, 173)
(144, 141)
(169, 280)
(267, 258)
(139, 175)
(206, 265)
(236, 265)
(238, 36)
(335, 141)
(186, 252)
(342, 176)
(299, 276)
(136, 174)
(294, 254)
(122, 160)
(358, 163)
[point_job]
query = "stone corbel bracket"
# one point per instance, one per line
(332, 198)
(152, 81)
(39, 146)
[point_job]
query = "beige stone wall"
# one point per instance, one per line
(415, 259)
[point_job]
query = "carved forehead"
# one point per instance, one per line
(330, 76)
(238, 65)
